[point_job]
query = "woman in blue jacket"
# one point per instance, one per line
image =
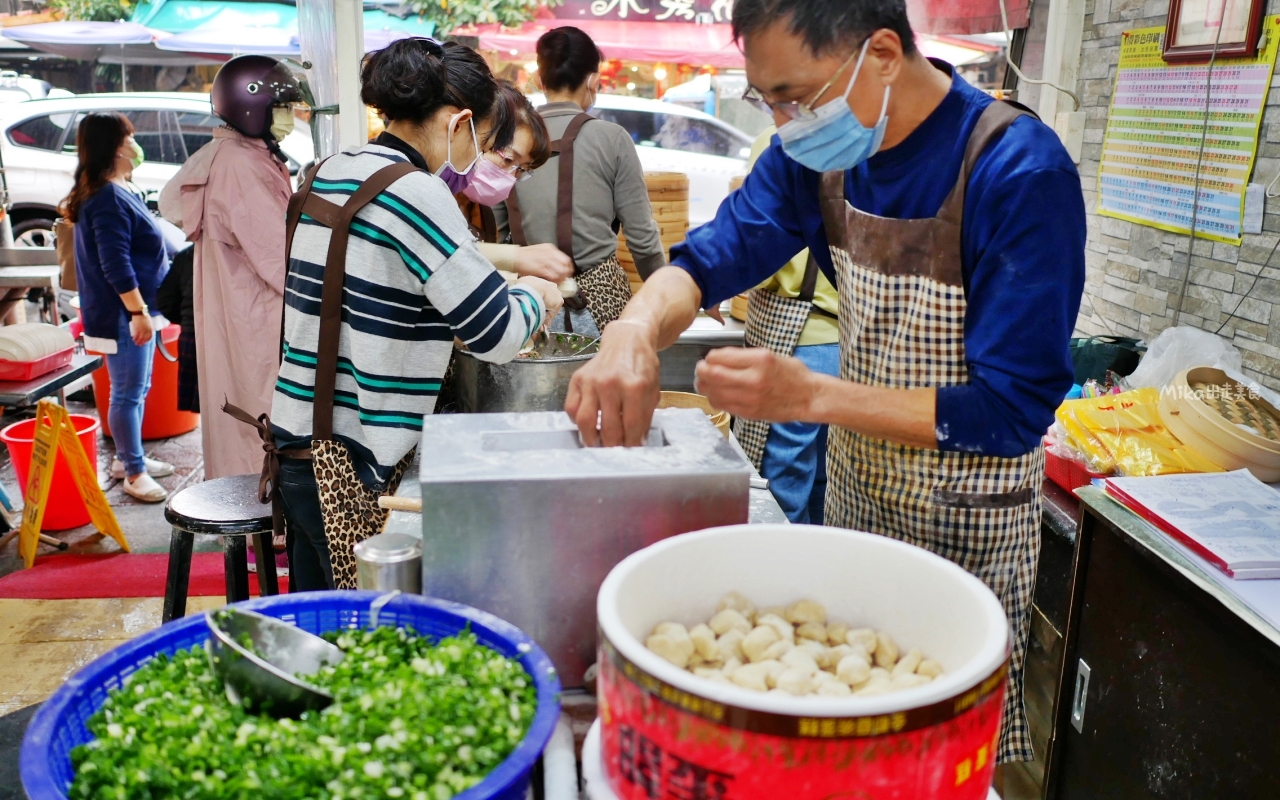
(120, 261)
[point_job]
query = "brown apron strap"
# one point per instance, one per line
(834, 217)
(810, 283)
(488, 225)
(515, 220)
(995, 119)
(293, 213)
(564, 191)
(338, 218)
(269, 479)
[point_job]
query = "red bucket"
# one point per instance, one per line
(64, 509)
(668, 733)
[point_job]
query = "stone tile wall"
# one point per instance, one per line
(1134, 272)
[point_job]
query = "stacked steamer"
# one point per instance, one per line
(1224, 421)
(738, 306)
(669, 196)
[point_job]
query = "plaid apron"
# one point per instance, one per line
(902, 310)
(773, 322)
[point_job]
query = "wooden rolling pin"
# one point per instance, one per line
(392, 503)
(568, 287)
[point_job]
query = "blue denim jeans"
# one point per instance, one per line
(130, 371)
(795, 454)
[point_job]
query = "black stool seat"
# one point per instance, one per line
(226, 507)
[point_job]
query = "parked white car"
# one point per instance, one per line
(673, 138)
(38, 147)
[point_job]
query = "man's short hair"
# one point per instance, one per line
(826, 25)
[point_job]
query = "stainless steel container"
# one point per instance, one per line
(704, 335)
(389, 561)
(538, 383)
(520, 520)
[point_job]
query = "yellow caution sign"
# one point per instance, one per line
(54, 431)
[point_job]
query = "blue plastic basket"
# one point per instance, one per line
(59, 725)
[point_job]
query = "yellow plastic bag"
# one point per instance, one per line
(1122, 433)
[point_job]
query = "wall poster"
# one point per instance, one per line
(1154, 130)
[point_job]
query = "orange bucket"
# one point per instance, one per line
(160, 416)
(64, 509)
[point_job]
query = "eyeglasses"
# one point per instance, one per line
(794, 110)
(511, 166)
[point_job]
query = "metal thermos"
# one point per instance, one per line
(389, 561)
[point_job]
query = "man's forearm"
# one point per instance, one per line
(905, 416)
(666, 305)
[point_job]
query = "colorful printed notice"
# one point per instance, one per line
(1156, 126)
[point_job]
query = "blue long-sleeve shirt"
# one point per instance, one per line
(119, 248)
(1023, 243)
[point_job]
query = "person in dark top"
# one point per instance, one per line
(120, 262)
(176, 301)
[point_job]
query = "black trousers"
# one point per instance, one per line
(309, 566)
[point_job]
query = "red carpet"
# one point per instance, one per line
(75, 577)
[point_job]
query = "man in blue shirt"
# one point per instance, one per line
(953, 227)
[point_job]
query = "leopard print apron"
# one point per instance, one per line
(902, 312)
(604, 289)
(348, 507)
(773, 322)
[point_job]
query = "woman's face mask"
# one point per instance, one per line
(282, 121)
(132, 151)
(490, 183)
(459, 179)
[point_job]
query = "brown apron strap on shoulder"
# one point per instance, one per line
(832, 201)
(995, 119)
(515, 219)
(810, 283)
(293, 214)
(335, 269)
(488, 225)
(564, 191)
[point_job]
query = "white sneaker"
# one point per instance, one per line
(144, 488)
(156, 469)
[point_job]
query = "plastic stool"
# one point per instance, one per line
(226, 507)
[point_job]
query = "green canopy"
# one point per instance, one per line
(180, 16)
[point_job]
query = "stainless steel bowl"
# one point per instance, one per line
(259, 658)
(537, 381)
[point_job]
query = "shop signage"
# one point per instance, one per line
(703, 11)
(55, 431)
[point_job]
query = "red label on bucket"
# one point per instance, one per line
(656, 749)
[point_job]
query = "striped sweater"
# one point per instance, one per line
(414, 281)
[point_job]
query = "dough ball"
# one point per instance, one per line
(668, 648)
(778, 611)
(751, 676)
(727, 620)
(929, 668)
(730, 644)
(908, 663)
(784, 629)
(878, 683)
(817, 651)
(833, 689)
(778, 649)
(837, 634)
(812, 630)
(835, 654)
(758, 641)
(909, 680)
(704, 641)
(865, 637)
(738, 602)
(853, 670)
(796, 681)
(795, 658)
(773, 668)
(802, 611)
(886, 650)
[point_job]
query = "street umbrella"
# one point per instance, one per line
(107, 42)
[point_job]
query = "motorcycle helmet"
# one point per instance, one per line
(245, 90)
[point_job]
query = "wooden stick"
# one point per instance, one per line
(400, 503)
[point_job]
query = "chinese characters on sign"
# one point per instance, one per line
(666, 776)
(718, 11)
(1156, 129)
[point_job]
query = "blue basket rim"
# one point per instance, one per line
(38, 782)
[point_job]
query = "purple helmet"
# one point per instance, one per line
(247, 87)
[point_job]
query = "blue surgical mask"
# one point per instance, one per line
(833, 138)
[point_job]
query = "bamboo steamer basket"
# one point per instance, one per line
(1215, 416)
(736, 181)
(720, 419)
(738, 307)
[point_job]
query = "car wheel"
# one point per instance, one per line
(37, 232)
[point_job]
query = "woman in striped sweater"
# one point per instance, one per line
(414, 281)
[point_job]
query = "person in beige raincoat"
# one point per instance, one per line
(230, 199)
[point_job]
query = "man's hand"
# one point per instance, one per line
(756, 383)
(544, 261)
(551, 297)
(618, 389)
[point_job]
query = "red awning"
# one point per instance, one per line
(676, 43)
(966, 16)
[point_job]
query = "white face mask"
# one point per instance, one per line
(281, 122)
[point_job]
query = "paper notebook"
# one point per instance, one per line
(1231, 519)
